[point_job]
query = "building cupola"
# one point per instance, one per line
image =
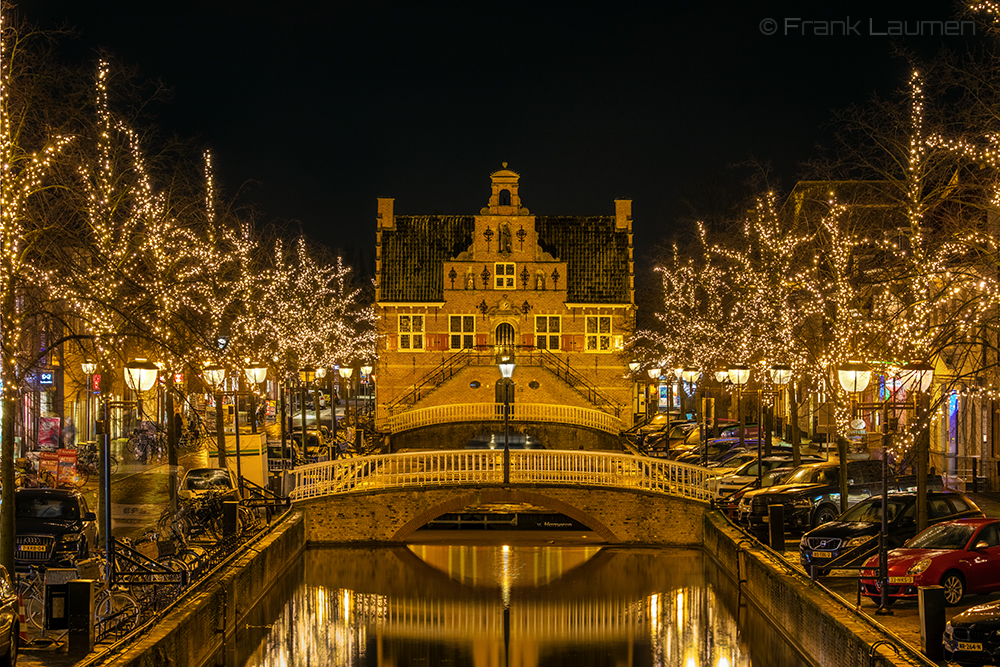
(504, 199)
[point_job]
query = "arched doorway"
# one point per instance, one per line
(504, 334)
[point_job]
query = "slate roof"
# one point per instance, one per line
(596, 256)
(413, 255)
(414, 252)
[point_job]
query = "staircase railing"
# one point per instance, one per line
(484, 355)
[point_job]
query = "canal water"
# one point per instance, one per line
(506, 606)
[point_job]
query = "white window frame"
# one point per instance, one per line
(466, 338)
(410, 333)
(507, 279)
(546, 336)
(598, 339)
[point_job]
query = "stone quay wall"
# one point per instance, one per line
(829, 634)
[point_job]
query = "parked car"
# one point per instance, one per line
(659, 443)
(53, 527)
(860, 526)
(201, 481)
(973, 637)
(731, 504)
(811, 496)
(720, 449)
(961, 556)
(10, 626)
(728, 482)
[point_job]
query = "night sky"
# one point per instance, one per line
(314, 109)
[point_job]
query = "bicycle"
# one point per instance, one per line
(25, 477)
(88, 460)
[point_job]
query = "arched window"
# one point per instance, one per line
(505, 197)
(504, 335)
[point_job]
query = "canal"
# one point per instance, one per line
(506, 606)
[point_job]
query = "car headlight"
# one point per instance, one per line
(919, 566)
(801, 503)
(856, 541)
(803, 543)
(72, 537)
(948, 630)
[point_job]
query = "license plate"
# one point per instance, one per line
(32, 547)
(900, 580)
(766, 518)
(970, 646)
(822, 554)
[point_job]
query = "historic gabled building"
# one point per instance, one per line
(453, 291)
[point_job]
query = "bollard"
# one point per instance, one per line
(80, 615)
(931, 602)
(230, 517)
(776, 526)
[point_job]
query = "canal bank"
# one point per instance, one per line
(829, 632)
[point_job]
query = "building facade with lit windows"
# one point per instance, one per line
(454, 291)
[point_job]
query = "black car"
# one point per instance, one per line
(973, 637)
(9, 620)
(53, 527)
(861, 525)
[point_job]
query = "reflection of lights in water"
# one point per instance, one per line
(505, 582)
(690, 662)
(345, 601)
(723, 662)
(681, 616)
(654, 615)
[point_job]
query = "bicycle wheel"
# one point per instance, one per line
(114, 465)
(34, 606)
(117, 608)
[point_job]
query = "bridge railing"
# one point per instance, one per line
(477, 467)
(527, 412)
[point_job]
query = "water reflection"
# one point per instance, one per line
(516, 606)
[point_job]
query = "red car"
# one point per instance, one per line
(963, 556)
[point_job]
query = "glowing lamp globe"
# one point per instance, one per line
(916, 376)
(140, 374)
(739, 374)
(854, 376)
(256, 372)
(781, 374)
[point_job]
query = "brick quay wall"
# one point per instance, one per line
(193, 632)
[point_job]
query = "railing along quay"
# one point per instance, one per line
(478, 467)
(519, 412)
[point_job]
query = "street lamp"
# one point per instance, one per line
(366, 375)
(740, 375)
(654, 376)
(256, 373)
(506, 364)
(318, 395)
(346, 372)
(140, 375)
(306, 375)
(781, 375)
(215, 375)
(89, 368)
(917, 377)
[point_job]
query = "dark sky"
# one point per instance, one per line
(325, 106)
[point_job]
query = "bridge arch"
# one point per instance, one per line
(503, 495)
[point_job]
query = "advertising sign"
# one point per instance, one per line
(48, 462)
(48, 432)
(66, 461)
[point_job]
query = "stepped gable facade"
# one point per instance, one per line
(452, 290)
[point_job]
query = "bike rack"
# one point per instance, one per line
(872, 654)
(146, 572)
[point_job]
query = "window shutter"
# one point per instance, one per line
(482, 339)
(528, 339)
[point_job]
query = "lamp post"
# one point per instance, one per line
(781, 375)
(345, 373)
(256, 373)
(306, 375)
(916, 377)
(216, 375)
(506, 364)
(366, 375)
(318, 395)
(740, 375)
(89, 368)
(654, 376)
(140, 375)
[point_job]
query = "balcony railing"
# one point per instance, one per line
(493, 412)
(479, 467)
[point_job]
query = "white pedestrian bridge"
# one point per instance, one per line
(473, 468)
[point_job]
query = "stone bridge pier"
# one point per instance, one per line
(623, 516)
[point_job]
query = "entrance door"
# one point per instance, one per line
(504, 335)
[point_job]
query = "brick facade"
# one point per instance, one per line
(503, 278)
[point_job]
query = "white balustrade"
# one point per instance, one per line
(528, 412)
(478, 467)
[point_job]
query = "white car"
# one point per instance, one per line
(733, 480)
